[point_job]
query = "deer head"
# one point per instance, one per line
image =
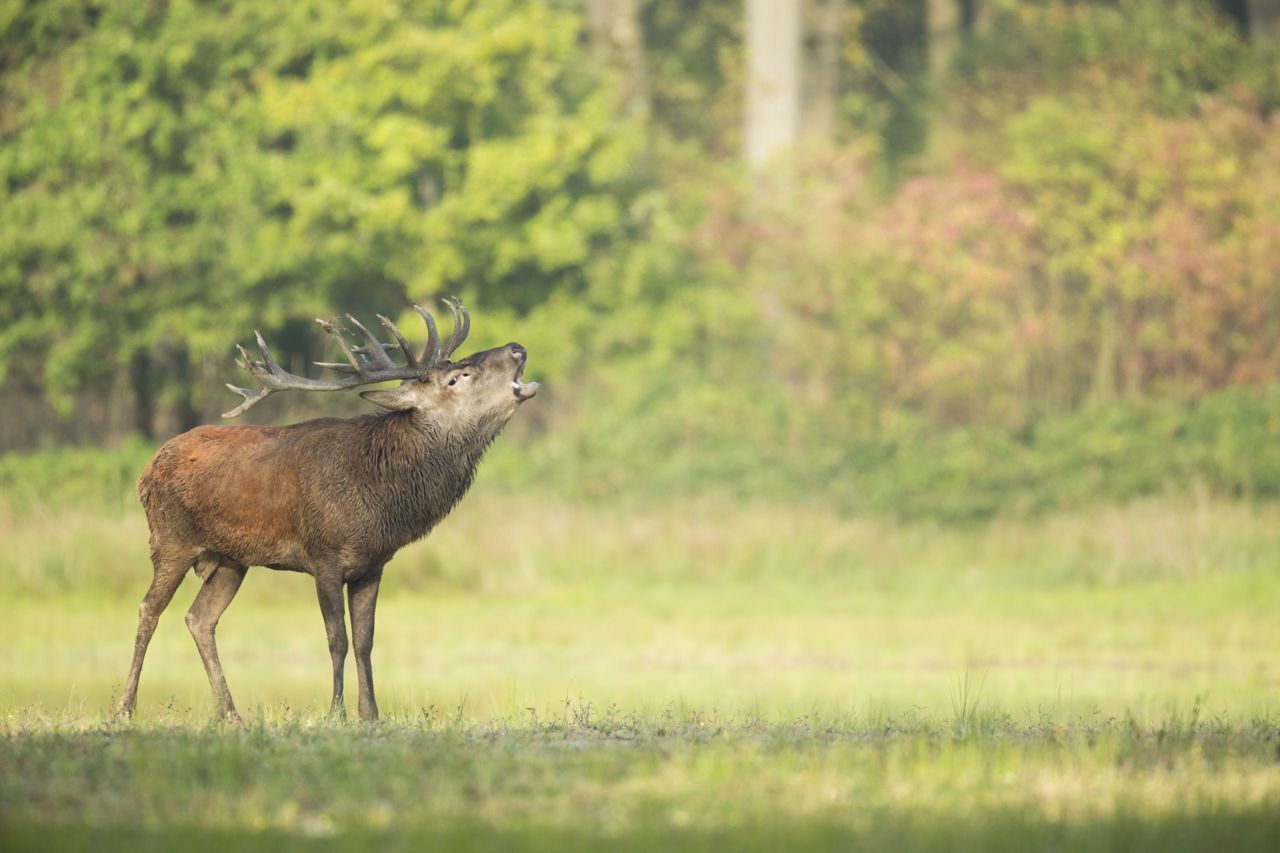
(484, 386)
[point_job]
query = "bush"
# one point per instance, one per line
(56, 478)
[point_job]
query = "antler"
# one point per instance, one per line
(461, 325)
(365, 364)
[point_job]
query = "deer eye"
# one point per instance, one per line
(453, 381)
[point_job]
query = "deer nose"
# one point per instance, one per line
(518, 352)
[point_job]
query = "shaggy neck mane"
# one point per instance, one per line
(422, 469)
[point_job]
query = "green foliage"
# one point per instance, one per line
(695, 67)
(695, 441)
(68, 477)
(443, 151)
(170, 172)
(1016, 326)
(1173, 53)
(1041, 263)
(1227, 443)
(1072, 269)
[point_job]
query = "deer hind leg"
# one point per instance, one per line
(168, 574)
(222, 580)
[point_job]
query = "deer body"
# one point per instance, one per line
(335, 498)
(341, 492)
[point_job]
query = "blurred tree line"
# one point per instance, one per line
(179, 173)
(830, 236)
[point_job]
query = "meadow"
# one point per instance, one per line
(557, 674)
(917, 490)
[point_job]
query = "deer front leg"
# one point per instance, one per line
(329, 591)
(362, 598)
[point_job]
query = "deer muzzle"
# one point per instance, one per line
(522, 390)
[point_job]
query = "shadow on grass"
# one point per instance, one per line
(1236, 830)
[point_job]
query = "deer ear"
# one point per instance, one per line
(396, 399)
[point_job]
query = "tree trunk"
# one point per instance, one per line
(824, 20)
(773, 79)
(1264, 20)
(144, 402)
(978, 15)
(944, 20)
(183, 412)
(618, 41)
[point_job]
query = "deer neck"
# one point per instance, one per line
(427, 469)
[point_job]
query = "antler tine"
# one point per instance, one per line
(264, 371)
(342, 342)
(431, 354)
(373, 353)
(250, 397)
(267, 360)
(400, 341)
(461, 325)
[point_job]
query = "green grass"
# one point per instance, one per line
(979, 782)
(702, 673)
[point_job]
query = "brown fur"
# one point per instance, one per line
(333, 498)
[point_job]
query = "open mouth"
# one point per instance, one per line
(523, 390)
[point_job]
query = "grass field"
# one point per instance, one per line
(561, 676)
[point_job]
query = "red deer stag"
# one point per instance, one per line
(331, 497)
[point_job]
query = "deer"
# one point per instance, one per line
(334, 498)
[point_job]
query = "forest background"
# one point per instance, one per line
(958, 260)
